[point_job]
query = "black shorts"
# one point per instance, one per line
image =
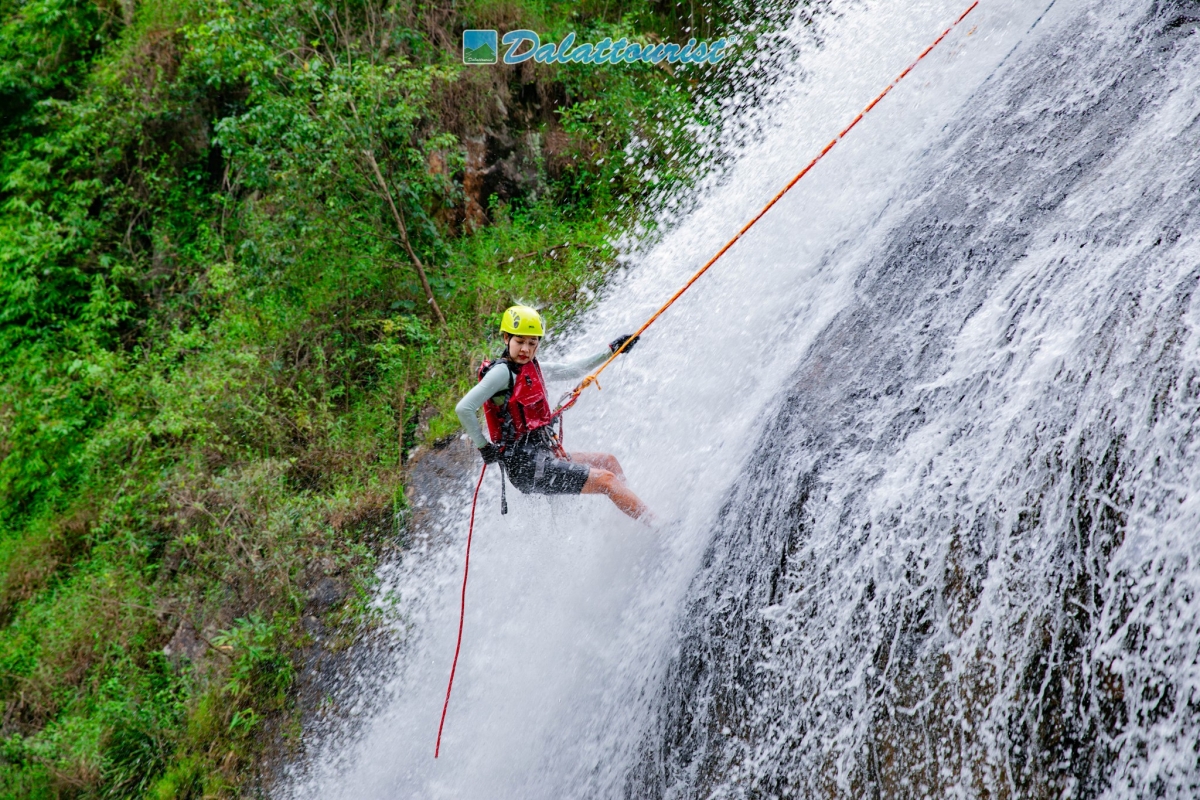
(533, 468)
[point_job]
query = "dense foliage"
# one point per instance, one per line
(217, 344)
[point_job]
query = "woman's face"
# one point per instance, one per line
(522, 349)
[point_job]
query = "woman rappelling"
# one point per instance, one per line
(512, 392)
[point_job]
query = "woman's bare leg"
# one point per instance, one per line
(602, 481)
(604, 461)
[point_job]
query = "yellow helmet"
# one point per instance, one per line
(522, 321)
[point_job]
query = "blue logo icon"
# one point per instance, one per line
(479, 47)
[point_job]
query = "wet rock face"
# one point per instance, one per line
(185, 644)
(341, 668)
(327, 594)
(950, 567)
(514, 165)
(432, 474)
(502, 166)
(514, 142)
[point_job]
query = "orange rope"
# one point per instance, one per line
(590, 379)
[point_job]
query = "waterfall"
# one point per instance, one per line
(924, 439)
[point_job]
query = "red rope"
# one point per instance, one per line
(573, 395)
(462, 613)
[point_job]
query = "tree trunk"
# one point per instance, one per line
(404, 235)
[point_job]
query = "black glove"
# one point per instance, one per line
(491, 453)
(620, 340)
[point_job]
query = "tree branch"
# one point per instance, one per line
(404, 235)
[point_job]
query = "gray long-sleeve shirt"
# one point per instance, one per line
(498, 380)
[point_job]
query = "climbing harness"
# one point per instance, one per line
(525, 410)
(570, 397)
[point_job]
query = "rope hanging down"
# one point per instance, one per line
(570, 398)
(462, 613)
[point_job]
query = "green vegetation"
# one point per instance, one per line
(216, 341)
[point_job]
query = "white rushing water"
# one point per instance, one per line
(924, 437)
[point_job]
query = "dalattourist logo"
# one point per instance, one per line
(479, 47)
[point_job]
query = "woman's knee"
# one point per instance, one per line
(608, 479)
(599, 461)
(610, 463)
(601, 480)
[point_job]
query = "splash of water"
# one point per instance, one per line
(963, 559)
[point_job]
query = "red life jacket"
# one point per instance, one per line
(525, 407)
